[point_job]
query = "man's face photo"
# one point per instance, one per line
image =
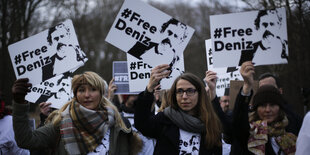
(269, 26)
(63, 89)
(175, 34)
(60, 39)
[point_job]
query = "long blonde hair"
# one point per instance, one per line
(94, 80)
(204, 109)
(164, 97)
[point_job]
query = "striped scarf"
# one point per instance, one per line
(82, 129)
(260, 131)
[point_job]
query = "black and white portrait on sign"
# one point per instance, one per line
(60, 93)
(259, 36)
(267, 24)
(149, 36)
(173, 35)
(67, 54)
(49, 53)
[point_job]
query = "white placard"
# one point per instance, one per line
(151, 36)
(56, 90)
(47, 54)
(139, 74)
(258, 36)
(224, 74)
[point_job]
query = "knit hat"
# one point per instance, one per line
(267, 94)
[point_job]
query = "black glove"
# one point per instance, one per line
(20, 89)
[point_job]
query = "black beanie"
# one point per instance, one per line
(267, 94)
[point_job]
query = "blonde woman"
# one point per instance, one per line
(88, 124)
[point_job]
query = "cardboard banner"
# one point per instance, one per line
(47, 54)
(56, 90)
(150, 35)
(258, 36)
(121, 78)
(224, 74)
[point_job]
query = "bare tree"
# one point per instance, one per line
(16, 17)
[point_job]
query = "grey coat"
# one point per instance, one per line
(49, 136)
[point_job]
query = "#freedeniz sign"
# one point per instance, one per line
(150, 36)
(47, 54)
(257, 36)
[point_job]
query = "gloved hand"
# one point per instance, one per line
(20, 89)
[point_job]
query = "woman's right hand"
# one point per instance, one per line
(20, 89)
(45, 108)
(247, 72)
(157, 73)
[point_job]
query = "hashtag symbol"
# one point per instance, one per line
(18, 59)
(126, 13)
(217, 33)
(133, 65)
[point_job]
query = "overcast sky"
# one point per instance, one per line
(238, 3)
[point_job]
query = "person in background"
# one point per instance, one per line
(8, 145)
(88, 124)
(303, 140)
(188, 125)
(221, 106)
(164, 100)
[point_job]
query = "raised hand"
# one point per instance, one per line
(157, 73)
(247, 72)
(210, 79)
(20, 89)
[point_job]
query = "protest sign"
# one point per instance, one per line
(139, 74)
(47, 54)
(121, 78)
(224, 74)
(150, 35)
(258, 36)
(56, 90)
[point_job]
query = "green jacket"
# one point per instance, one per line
(49, 136)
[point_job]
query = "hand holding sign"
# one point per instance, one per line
(158, 73)
(20, 89)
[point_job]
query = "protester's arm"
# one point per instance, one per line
(145, 121)
(112, 88)
(45, 110)
(247, 72)
(43, 137)
(240, 119)
(210, 79)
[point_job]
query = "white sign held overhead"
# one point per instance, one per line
(47, 54)
(257, 36)
(150, 36)
(224, 74)
(56, 90)
(139, 74)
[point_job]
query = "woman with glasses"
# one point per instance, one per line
(188, 126)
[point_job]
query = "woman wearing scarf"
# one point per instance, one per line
(88, 124)
(264, 129)
(188, 126)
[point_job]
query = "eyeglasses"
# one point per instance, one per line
(189, 92)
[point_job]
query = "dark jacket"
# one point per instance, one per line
(161, 128)
(240, 127)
